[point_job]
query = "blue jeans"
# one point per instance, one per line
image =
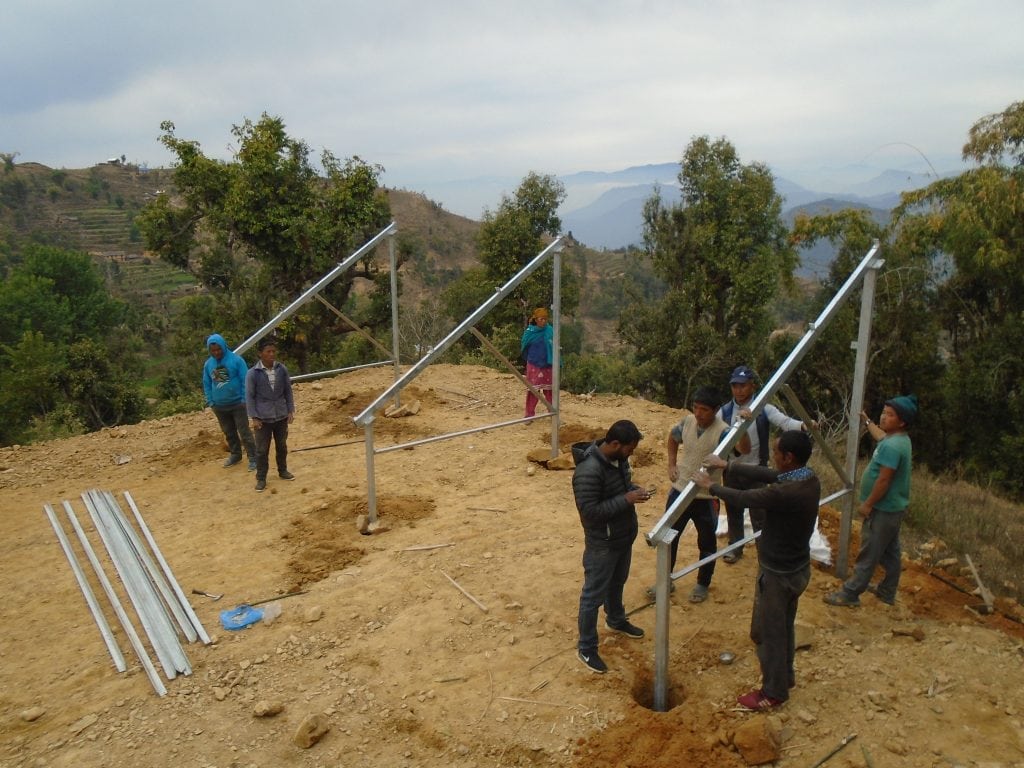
(234, 423)
(879, 545)
(702, 513)
(605, 570)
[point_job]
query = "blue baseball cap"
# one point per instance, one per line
(741, 375)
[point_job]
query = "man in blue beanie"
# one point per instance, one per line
(224, 385)
(884, 497)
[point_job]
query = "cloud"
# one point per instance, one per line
(439, 91)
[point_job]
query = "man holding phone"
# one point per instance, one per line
(605, 496)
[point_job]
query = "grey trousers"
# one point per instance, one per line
(234, 423)
(879, 545)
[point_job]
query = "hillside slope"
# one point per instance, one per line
(406, 669)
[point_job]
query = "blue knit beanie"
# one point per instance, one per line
(905, 407)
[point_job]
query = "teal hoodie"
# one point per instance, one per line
(224, 379)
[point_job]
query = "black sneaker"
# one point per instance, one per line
(261, 485)
(593, 662)
(286, 475)
(627, 629)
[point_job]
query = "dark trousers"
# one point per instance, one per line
(879, 545)
(735, 516)
(279, 431)
(702, 513)
(605, 570)
(771, 628)
(234, 423)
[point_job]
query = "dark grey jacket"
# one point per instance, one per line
(600, 488)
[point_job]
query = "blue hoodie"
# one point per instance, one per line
(224, 379)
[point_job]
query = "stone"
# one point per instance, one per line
(311, 730)
(264, 708)
(564, 461)
(32, 714)
(539, 455)
(409, 409)
(314, 613)
(80, 725)
(757, 741)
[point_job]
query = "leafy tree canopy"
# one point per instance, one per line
(722, 252)
(258, 229)
(509, 238)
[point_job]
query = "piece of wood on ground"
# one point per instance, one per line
(459, 587)
(986, 595)
(422, 547)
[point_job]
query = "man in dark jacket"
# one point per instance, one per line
(605, 496)
(790, 500)
(269, 401)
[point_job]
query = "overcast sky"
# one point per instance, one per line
(448, 90)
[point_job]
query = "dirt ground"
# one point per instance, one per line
(406, 669)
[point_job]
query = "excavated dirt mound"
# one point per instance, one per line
(447, 640)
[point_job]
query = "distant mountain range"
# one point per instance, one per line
(614, 216)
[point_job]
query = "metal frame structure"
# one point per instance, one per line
(662, 534)
(368, 416)
(314, 291)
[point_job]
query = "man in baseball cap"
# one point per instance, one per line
(742, 382)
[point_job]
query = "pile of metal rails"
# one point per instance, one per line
(145, 577)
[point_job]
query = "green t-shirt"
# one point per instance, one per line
(893, 452)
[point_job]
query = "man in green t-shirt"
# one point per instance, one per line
(884, 497)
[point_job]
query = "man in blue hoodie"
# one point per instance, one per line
(224, 384)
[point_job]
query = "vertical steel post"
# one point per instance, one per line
(860, 366)
(371, 482)
(662, 587)
(556, 360)
(393, 259)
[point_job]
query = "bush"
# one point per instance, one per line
(184, 403)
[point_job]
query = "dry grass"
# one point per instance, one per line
(970, 521)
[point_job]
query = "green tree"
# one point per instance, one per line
(973, 225)
(59, 293)
(904, 353)
(58, 327)
(98, 388)
(258, 229)
(29, 371)
(513, 235)
(723, 252)
(508, 239)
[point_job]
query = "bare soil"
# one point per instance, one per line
(405, 668)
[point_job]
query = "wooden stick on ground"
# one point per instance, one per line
(534, 701)
(458, 586)
(986, 595)
(842, 744)
(427, 546)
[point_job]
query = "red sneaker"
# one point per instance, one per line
(758, 701)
